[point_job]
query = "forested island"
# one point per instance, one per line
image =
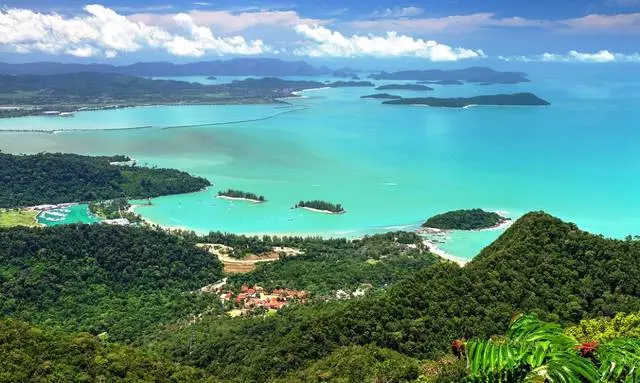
(472, 219)
(404, 87)
(240, 195)
(516, 99)
(382, 96)
(52, 178)
(25, 95)
(471, 75)
(321, 206)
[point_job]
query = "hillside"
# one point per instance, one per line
(31, 354)
(51, 178)
(233, 67)
(124, 281)
(540, 265)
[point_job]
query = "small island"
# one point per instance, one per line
(320, 207)
(212, 78)
(384, 96)
(516, 99)
(472, 219)
(404, 87)
(241, 196)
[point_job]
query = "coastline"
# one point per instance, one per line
(239, 199)
(433, 248)
(321, 211)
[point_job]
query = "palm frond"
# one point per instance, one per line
(527, 330)
(620, 360)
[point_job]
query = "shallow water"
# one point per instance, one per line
(390, 166)
(72, 214)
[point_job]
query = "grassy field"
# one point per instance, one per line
(9, 218)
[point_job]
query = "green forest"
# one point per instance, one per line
(134, 287)
(51, 178)
(321, 205)
(472, 219)
(240, 194)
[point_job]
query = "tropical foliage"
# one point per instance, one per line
(31, 354)
(99, 278)
(536, 351)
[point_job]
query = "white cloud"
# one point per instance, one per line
(231, 22)
(594, 23)
(102, 31)
(603, 56)
(323, 42)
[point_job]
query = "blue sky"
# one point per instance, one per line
(594, 31)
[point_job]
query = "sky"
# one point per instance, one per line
(348, 32)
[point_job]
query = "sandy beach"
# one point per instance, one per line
(443, 254)
(239, 199)
(322, 211)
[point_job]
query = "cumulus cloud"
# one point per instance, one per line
(102, 31)
(323, 42)
(603, 56)
(231, 22)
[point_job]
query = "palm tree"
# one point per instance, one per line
(536, 351)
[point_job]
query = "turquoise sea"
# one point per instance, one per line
(390, 166)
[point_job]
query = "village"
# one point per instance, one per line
(251, 299)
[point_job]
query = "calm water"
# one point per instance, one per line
(390, 166)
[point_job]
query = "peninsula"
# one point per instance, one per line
(404, 87)
(320, 207)
(382, 96)
(64, 94)
(472, 219)
(240, 196)
(54, 178)
(473, 75)
(516, 99)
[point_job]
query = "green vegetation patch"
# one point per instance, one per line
(47, 178)
(17, 217)
(97, 278)
(473, 219)
(321, 205)
(31, 354)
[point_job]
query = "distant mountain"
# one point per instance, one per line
(234, 67)
(482, 75)
(516, 99)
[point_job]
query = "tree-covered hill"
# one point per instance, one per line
(31, 354)
(96, 278)
(540, 265)
(50, 178)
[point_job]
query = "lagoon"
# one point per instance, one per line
(391, 167)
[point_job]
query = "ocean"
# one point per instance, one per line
(391, 167)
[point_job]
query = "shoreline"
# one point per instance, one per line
(434, 249)
(240, 199)
(321, 211)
